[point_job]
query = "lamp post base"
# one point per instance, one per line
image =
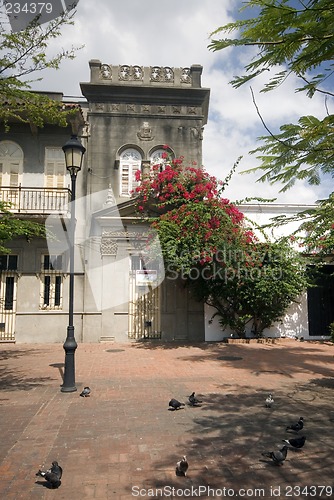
(70, 346)
(68, 389)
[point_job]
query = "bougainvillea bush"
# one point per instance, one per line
(208, 244)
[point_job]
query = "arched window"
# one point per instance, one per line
(130, 162)
(11, 164)
(160, 156)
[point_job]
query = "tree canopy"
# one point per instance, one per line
(23, 58)
(292, 37)
(11, 227)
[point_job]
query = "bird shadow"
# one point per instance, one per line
(47, 485)
(269, 463)
(179, 473)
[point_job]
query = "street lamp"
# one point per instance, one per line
(74, 151)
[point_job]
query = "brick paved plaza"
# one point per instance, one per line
(123, 442)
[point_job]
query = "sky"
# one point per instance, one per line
(176, 34)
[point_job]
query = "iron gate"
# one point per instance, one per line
(144, 310)
(8, 288)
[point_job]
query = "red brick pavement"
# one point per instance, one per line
(123, 442)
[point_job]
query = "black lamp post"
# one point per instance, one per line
(74, 151)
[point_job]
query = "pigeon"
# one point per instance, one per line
(52, 475)
(192, 400)
(297, 426)
(181, 467)
(85, 392)
(269, 401)
(278, 456)
(295, 442)
(174, 403)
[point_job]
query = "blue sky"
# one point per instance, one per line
(176, 33)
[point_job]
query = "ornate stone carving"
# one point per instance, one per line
(160, 74)
(161, 109)
(145, 132)
(108, 246)
(127, 73)
(191, 110)
(110, 201)
(185, 75)
(176, 110)
(155, 74)
(120, 234)
(197, 132)
(115, 107)
(137, 72)
(168, 74)
(99, 106)
(131, 107)
(109, 240)
(146, 108)
(106, 73)
(124, 72)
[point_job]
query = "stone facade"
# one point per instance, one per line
(133, 113)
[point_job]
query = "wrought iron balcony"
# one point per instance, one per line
(35, 200)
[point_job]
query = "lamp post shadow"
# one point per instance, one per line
(60, 367)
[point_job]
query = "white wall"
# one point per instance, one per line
(294, 323)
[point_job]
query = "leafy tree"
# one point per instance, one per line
(292, 37)
(207, 243)
(11, 227)
(23, 56)
(315, 234)
(258, 290)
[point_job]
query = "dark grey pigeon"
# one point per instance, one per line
(269, 401)
(85, 392)
(278, 456)
(175, 404)
(182, 467)
(52, 475)
(297, 426)
(295, 442)
(193, 401)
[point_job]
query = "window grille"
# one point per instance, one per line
(51, 282)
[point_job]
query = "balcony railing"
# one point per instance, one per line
(35, 200)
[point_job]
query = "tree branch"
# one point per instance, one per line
(279, 42)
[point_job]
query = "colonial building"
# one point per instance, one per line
(33, 179)
(130, 116)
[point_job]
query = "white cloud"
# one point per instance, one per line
(176, 33)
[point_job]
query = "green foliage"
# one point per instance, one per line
(23, 55)
(315, 232)
(331, 331)
(301, 151)
(11, 227)
(257, 290)
(297, 36)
